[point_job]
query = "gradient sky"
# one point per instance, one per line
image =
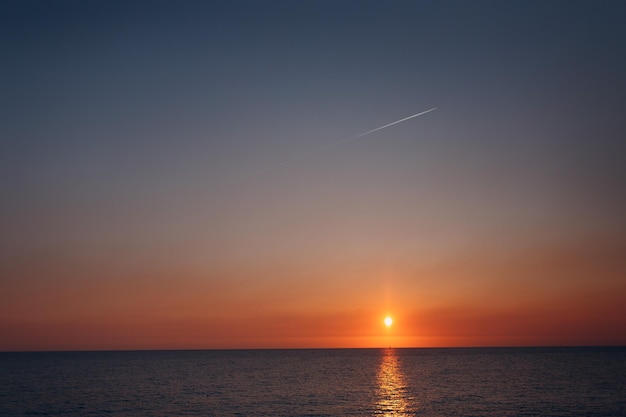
(161, 185)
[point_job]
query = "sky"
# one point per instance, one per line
(176, 175)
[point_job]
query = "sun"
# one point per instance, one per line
(388, 321)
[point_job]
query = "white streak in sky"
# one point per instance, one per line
(340, 142)
(379, 128)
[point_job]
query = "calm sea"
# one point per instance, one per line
(333, 382)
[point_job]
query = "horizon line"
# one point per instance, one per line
(316, 348)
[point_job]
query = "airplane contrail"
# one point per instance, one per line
(379, 128)
(340, 142)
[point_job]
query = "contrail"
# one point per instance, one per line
(339, 142)
(378, 128)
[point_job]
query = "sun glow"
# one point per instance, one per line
(388, 321)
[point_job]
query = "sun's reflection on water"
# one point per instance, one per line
(392, 395)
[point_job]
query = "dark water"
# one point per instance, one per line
(343, 382)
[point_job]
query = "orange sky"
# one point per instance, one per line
(551, 295)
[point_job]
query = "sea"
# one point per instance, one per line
(317, 382)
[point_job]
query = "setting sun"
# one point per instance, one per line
(388, 321)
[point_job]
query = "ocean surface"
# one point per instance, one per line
(319, 382)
